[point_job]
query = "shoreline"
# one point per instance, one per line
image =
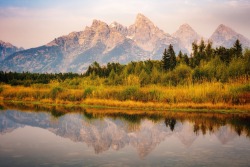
(138, 107)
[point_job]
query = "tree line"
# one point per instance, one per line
(27, 78)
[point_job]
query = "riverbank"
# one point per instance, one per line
(129, 107)
(204, 96)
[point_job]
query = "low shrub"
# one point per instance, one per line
(55, 91)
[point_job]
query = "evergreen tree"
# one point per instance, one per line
(166, 60)
(237, 48)
(195, 48)
(199, 52)
(169, 59)
(172, 57)
(209, 51)
(180, 57)
(224, 54)
(186, 59)
(202, 46)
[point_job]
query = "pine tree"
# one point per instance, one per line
(172, 57)
(180, 57)
(186, 59)
(195, 48)
(166, 60)
(209, 51)
(237, 48)
(169, 59)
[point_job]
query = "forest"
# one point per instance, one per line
(208, 78)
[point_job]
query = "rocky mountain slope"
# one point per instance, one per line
(225, 36)
(110, 43)
(187, 35)
(7, 49)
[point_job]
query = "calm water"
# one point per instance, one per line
(86, 139)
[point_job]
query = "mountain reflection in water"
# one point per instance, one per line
(144, 132)
(116, 138)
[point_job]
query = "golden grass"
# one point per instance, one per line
(163, 106)
(207, 95)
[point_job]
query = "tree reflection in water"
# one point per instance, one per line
(203, 122)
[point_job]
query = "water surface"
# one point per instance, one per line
(29, 138)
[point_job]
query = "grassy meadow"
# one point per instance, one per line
(206, 95)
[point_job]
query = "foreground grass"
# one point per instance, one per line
(207, 95)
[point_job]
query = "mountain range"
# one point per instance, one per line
(105, 43)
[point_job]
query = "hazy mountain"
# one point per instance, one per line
(7, 49)
(110, 43)
(225, 36)
(187, 36)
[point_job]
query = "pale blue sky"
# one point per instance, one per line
(31, 23)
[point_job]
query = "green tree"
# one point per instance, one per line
(186, 59)
(172, 57)
(247, 61)
(209, 51)
(144, 78)
(237, 48)
(166, 60)
(224, 54)
(155, 76)
(169, 59)
(179, 58)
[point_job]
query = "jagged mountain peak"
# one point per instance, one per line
(186, 27)
(223, 26)
(7, 49)
(140, 16)
(98, 24)
(184, 31)
(142, 20)
(224, 29)
(115, 24)
(119, 28)
(7, 44)
(146, 35)
(186, 35)
(226, 36)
